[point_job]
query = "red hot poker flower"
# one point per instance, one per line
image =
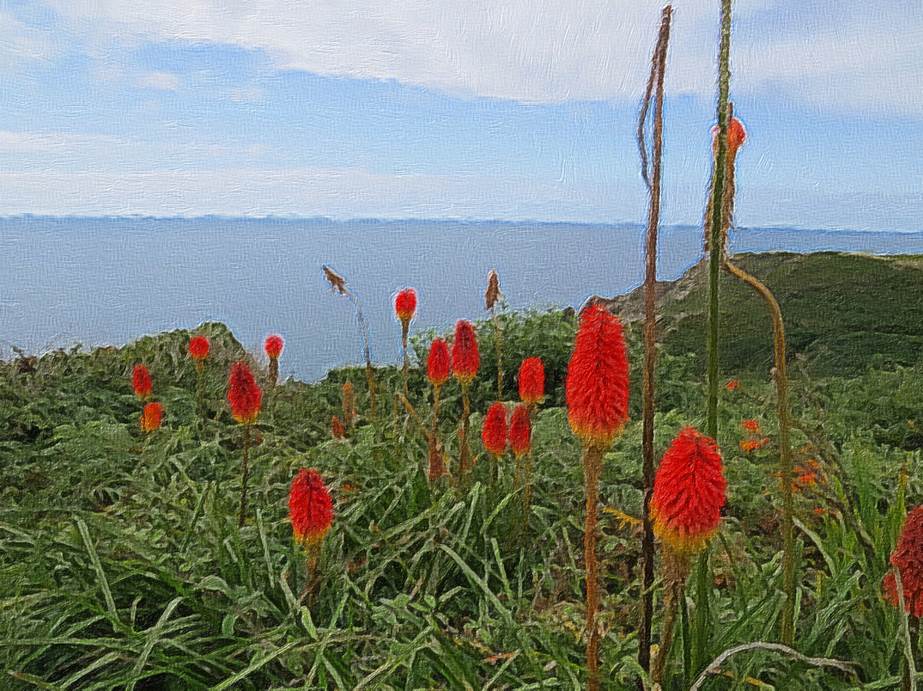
(310, 507)
(244, 395)
(494, 431)
(198, 348)
(141, 382)
(466, 359)
(908, 558)
(405, 304)
(273, 346)
(732, 385)
(437, 363)
(689, 491)
(532, 380)
(151, 417)
(597, 379)
(520, 431)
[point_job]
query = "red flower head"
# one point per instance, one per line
(732, 385)
(532, 380)
(908, 558)
(520, 431)
(437, 363)
(494, 432)
(310, 507)
(465, 357)
(597, 379)
(737, 135)
(273, 346)
(151, 417)
(751, 425)
(337, 429)
(141, 382)
(688, 492)
(405, 305)
(244, 395)
(198, 348)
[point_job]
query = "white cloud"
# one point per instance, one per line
(551, 50)
(161, 81)
(54, 142)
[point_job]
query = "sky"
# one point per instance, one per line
(501, 109)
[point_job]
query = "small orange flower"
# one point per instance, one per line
(151, 417)
(751, 425)
(732, 385)
(753, 444)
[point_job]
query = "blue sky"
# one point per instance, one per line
(437, 108)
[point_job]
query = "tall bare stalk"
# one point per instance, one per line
(702, 577)
(338, 283)
(592, 466)
(655, 91)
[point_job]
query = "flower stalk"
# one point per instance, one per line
(703, 580)
(654, 92)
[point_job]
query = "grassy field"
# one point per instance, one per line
(122, 564)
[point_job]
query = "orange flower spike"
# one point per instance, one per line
(244, 395)
(907, 557)
(151, 417)
(532, 381)
(310, 508)
(466, 359)
(689, 492)
(520, 431)
(494, 432)
(597, 379)
(438, 363)
(732, 385)
(198, 348)
(405, 305)
(141, 382)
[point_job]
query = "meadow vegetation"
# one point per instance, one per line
(122, 564)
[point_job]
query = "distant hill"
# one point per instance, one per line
(843, 312)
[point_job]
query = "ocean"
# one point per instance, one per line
(95, 281)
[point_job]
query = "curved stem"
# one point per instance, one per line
(785, 451)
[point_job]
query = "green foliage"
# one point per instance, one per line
(122, 566)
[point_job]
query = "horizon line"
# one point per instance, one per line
(295, 218)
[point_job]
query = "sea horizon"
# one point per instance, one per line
(107, 280)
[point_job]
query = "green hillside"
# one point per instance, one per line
(843, 312)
